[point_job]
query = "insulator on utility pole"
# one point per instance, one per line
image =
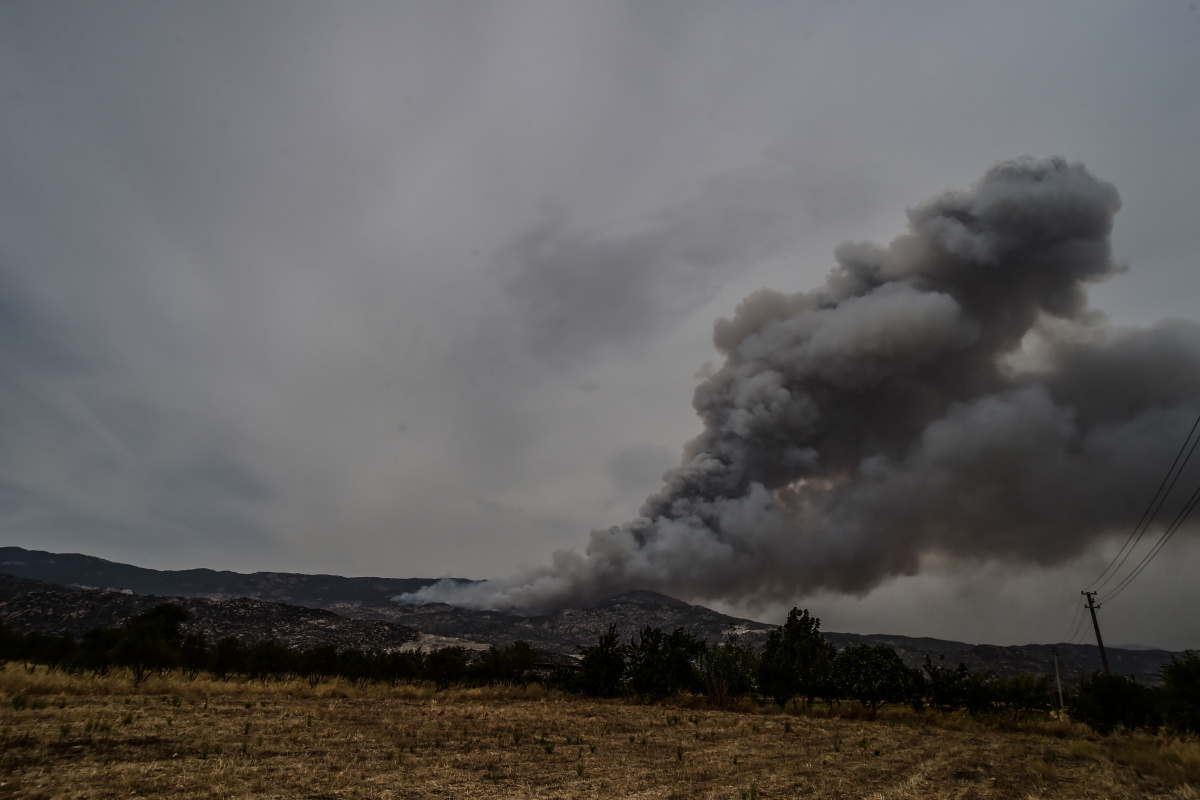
(1091, 606)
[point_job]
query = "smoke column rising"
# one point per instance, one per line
(950, 394)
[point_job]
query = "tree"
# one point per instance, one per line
(942, 687)
(873, 675)
(228, 658)
(446, 666)
(504, 665)
(796, 660)
(1181, 693)
(1022, 694)
(726, 671)
(356, 666)
(319, 664)
(12, 643)
(194, 654)
(1107, 702)
(269, 660)
(659, 665)
(403, 665)
(602, 666)
(150, 641)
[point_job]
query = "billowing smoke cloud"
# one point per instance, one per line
(950, 394)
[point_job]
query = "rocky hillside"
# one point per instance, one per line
(54, 610)
(362, 612)
(312, 591)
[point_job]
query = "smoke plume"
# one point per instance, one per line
(950, 394)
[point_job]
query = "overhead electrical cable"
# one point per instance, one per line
(1079, 625)
(1075, 622)
(1139, 530)
(1166, 537)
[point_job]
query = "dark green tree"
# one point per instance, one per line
(403, 666)
(942, 687)
(726, 671)
(796, 660)
(12, 643)
(228, 658)
(504, 664)
(446, 667)
(193, 654)
(659, 665)
(150, 641)
(319, 664)
(602, 666)
(1107, 702)
(357, 666)
(873, 675)
(1023, 694)
(1181, 693)
(268, 660)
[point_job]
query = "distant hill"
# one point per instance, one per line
(55, 610)
(298, 606)
(314, 591)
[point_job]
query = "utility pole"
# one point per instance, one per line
(1091, 606)
(1058, 681)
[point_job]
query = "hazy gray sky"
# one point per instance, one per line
(424, 289)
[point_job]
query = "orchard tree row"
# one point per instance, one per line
(797, 666)
(153, 643)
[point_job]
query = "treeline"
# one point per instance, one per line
(153, 643)
(796, 666)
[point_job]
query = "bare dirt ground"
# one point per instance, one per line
(66, 737)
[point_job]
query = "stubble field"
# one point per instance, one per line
(65, 737)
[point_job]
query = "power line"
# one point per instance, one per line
(1166, 537)
(1075, 623)
(1143, 525)
(1080, 619)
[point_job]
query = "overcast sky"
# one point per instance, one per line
(425, 289)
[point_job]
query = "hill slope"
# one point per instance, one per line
(110, 591)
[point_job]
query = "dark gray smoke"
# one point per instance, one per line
(950, 394)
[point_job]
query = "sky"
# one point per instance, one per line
(425, 289)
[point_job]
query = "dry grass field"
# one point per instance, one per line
(85, 737)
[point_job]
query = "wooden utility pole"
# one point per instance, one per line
(1091, 605)
(1058, 681)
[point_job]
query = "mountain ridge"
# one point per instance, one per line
(558, 637)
